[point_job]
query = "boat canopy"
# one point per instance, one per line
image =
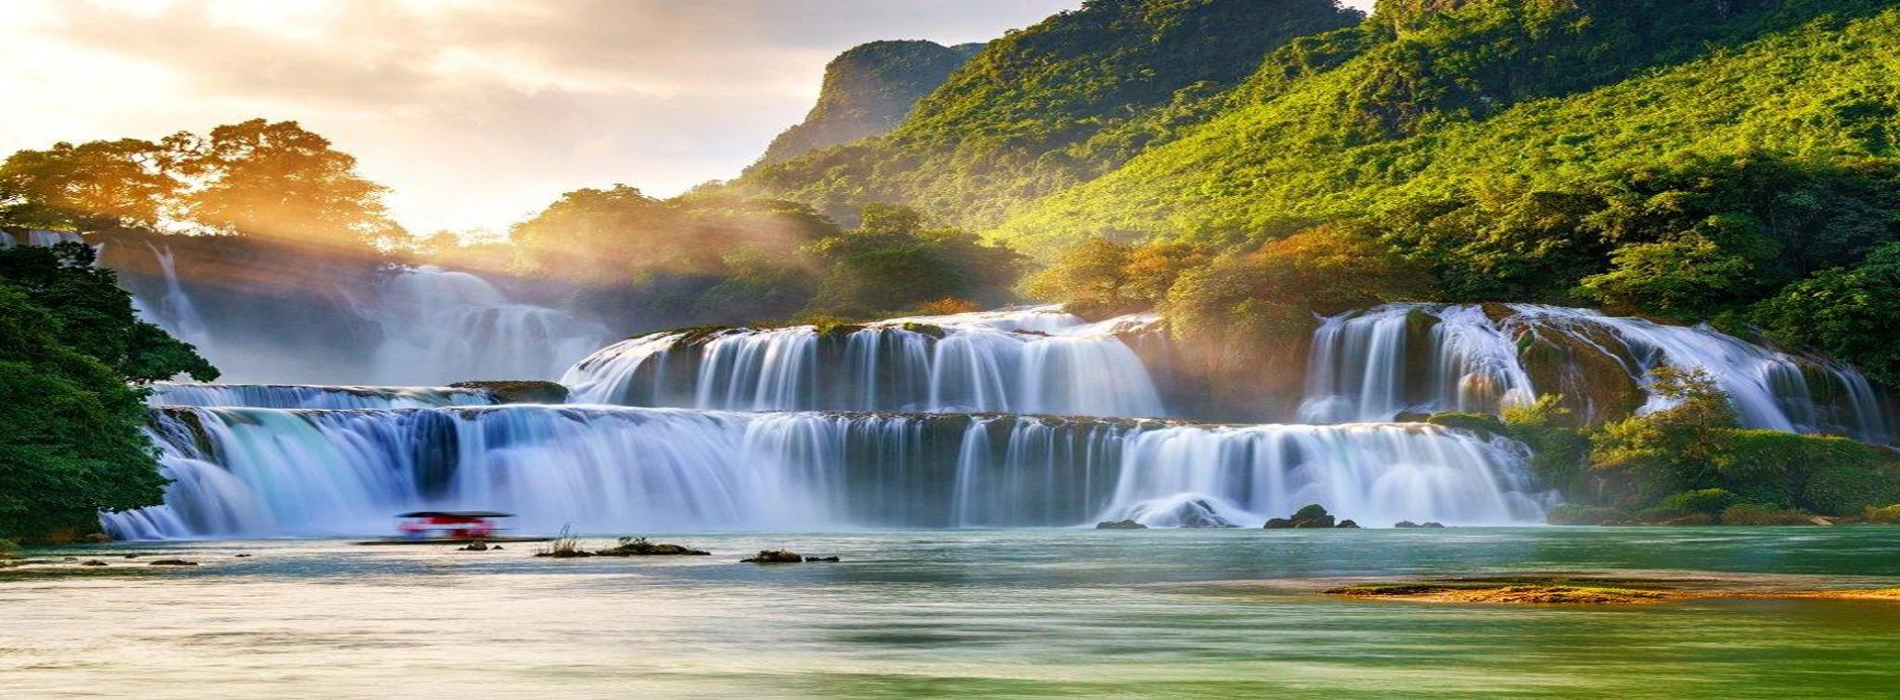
(456, 514)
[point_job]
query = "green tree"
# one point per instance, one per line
(94, 186)
(94, 316)
(277, 180)
(70, 353)
(1850, 312)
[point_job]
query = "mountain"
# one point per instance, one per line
(1430, 99)
(1058, 103)
(867, 91)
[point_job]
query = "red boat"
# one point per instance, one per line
(451, 527)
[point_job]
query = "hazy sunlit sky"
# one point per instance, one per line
(476, 113)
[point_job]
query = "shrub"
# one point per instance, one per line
(1579, 514)
(947, 306)
(1838, 489)
(1888, 515)
(1702, 501)
(1755, 514)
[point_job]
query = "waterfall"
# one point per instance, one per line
(441, 326)
(251, 472)
(175, 311)
(324, 397)
(1025, 360)
(1375, 364)
(39, 237)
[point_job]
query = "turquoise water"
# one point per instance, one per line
(1044, 612)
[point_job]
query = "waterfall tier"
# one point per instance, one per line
(323, 397)
(1374, 365)
(1029, 360)
(246, 472)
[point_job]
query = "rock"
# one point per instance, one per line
(98, 538)
(1348, 524)
(173, 562)
(774, 556)
(565, 554)
(92, 562)
(1433, 524)
(1407, 524)
(241, 556)
(70, 559)
(833, 559)
(519, 391)
(1310, 517)
(477, 546)
(1120, 525)
(640, 547)
(131, 556)
(496, 548)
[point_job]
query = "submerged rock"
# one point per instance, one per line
(640, 547)
(565, 554)
(1410, 524)
(830, 559)
(1120, 525)
(774, 556)
(92, 562)
(172, 562)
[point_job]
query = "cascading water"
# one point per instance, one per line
(323, 397)
(1029, 360)
(175, 311)
(441, 326)
(263, 472)
(1373, 365)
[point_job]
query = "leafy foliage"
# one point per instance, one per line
(867, 91)
(1850, 311)
(1060, 102)
(69, 344)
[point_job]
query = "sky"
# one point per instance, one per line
(475, 113)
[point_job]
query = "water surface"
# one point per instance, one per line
(1020, 612)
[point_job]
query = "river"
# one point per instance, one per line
(1202, 613)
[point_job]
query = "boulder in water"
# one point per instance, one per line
(476, 546)
(829, 559)
(173, 562)
(1348, 524)
(640, 547)
(92, 562)
(1312, 516)
(519, 391)
(1410, 524)
(1120, 525)
(774, 556)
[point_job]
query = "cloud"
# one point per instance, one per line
(475, 113)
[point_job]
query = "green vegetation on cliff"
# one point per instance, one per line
(1525, 94)
(1055, 104)
(867, 91)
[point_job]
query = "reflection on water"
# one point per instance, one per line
(1010, 612)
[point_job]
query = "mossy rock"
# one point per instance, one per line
(1484, 425)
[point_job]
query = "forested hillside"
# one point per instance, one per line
(1058, 103)
(1524, 94)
